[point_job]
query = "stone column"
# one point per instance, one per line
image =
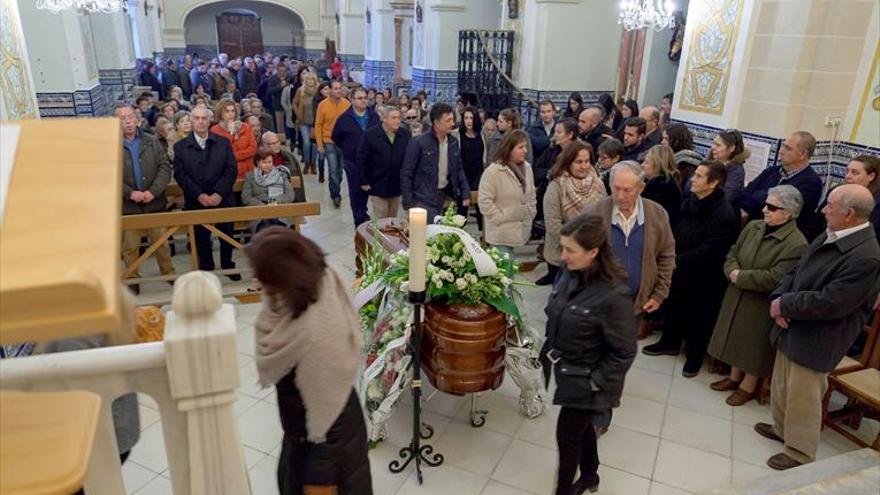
(63, 63)
(435, 61)
(560, 51)
(350, 42)
(770, 68)
(379, 44)
(16, 82)
(146, 28)
(404, 21)
(114, 47)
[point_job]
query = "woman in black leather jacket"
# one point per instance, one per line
(591, 343)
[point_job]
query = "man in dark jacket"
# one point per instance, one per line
(653, 133)
(284, 158)
(820, 307)
(247, 77)
(592, 130)
(145, 174)
(205, 168)
(347, 133)
(794, 170)
(277, 83)
(169, 78)
(634, 144)
(379, 157)
(432, 169)
(183, 72)
(541, 131)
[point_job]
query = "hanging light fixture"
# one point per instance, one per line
(654, 14)
(85, 6)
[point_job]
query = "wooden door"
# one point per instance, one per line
(239, 35)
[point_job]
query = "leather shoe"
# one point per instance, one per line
(235, 277)
(766, 430)
(659, 349)
(781, 462)
(337, 202)
(580, 486)
(739, 397)
(724, 385)
(691, 369)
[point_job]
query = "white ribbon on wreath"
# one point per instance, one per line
(485, 265)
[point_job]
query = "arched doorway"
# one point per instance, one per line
(243, 28)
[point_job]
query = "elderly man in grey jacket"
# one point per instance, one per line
(819, 308)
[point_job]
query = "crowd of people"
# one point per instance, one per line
(639, 232)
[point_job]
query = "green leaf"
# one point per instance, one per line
(504, 304)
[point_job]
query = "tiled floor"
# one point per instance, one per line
(671, 435)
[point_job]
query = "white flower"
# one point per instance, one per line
(461, 283)
(438, 285)
(459, 220)
(374, 390)
(404, 286)
(437, 278)
(505, 281)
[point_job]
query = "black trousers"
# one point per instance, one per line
(576, 440)
(204, 247)
(690, 317)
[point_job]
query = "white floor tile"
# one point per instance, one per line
(661, 489)
(696, 396)
(692, 469)
(149, 451)
(444, 480)
(252, 456)
(496, 488)
(148, 416)
(639, 414)
(660, 364)
(616, 482)
(503, 414)
(263, 476)
(159, 485)
(400, 426)
(616, 450)
(744, 472)
(147, 401)
(528, 467)
(750, 447)
(541, 430)
(384, 481)
(477, 450)
(697, 430)
(260, 427)
(751, 412)
(135, 476)
(647, 384)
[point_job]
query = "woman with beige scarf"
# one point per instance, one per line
(574, 185)
(305, 118)
(308, 346)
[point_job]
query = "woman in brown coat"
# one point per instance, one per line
(765, 251)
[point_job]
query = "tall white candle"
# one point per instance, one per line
(418, 220)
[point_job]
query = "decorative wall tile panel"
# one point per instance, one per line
(379, 73)
(17, 89)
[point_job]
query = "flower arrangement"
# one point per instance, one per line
(452, 278)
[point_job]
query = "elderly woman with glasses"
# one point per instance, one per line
(765, 251)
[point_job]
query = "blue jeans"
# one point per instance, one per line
(308, 150)
(334, 167)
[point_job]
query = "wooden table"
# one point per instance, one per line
(47, 441)
(60, 239)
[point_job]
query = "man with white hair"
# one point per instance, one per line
(820, 308)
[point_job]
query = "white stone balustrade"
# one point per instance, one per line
(192, 376)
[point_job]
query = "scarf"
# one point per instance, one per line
(520, 173)
(234, 128)
(577, 194)
(273, 181)
(323, 344)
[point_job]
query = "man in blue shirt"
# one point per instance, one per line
(794, 170)
(347, 134)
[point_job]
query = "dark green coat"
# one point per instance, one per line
(742, 331)
(156, 171)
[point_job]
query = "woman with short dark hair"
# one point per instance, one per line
(707, 227)
(590, 345)
(307, 321)
(729, 148)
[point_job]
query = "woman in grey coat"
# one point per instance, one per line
(266, 184)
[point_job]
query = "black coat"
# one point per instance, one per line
(705, 230)
(595, 137)
(208, 171)
(420, 170)
(828, 298)
(247, 81)
(341, 461)
(667, 193)
(169, 79)
(380, 160)
(275, 87)
(590, 328)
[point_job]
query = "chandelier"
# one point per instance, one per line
(85, 6)
(638, 14)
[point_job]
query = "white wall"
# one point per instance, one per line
(56, 50)
(113, 40)
(569, 44)
(443, 19)
(277, 23)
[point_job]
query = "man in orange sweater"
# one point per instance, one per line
(328, 111)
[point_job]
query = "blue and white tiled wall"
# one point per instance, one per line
(90, 102)
(440, 85)
(379, 73)
(840, 155)
(558, 97)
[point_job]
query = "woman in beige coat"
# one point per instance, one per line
(507, 194)
(574, 186)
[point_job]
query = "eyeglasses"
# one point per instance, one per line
(412, 117)
(772, 207)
